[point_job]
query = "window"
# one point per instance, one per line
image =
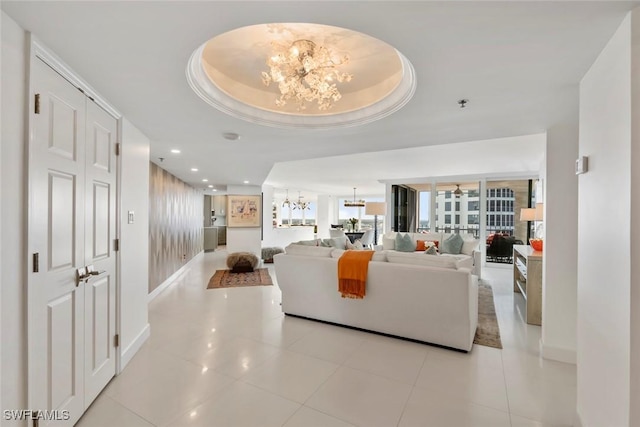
(447, 219)
(457, 206)
(457, 219)
(473, 193)
(473, 205)
(473, 219)
(447, 194)
(424, 200)
(447, 206)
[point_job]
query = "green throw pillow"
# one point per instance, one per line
(452, 245)
(405, 243)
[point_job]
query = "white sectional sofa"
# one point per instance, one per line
(469, 257)
(430, 304)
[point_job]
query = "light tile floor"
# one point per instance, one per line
(228, 357)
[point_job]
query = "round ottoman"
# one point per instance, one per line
(268, 253)
(242, 262)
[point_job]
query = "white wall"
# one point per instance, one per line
(244, 239)
(324, 214)
(634, 415)
(270, 234)
(134, 252)
(13, 225)
(559, 281)
(603, 327)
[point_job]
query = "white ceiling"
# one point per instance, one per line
(517, 62)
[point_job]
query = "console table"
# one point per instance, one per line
(353, 235)
(527, 279)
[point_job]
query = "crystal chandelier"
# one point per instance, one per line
(355, 203)
(300, 204)
(305, 72)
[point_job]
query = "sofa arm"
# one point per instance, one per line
(477, 263)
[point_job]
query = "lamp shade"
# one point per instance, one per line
(375, 208)
(532, 214)
(527, 214)
(539, 211)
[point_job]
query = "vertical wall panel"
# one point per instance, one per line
(175, 224)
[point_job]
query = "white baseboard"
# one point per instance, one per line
(132, 349)
(167, 283)
(559, 354)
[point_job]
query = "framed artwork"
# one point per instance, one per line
(244, 211)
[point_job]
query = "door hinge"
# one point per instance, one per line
(35, 421)
(37, 104)
(117, 149)
(36, 262)
(116, 245)
(116, 340)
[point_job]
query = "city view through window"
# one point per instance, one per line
(460, 213)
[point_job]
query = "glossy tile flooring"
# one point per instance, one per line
(228, 357)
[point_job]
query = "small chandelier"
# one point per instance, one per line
(457, 192)
(301, 204)
(305, 71)
(355, 203)
(287, 202)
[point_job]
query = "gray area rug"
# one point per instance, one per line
(488, 332)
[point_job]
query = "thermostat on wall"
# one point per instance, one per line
(582, 165)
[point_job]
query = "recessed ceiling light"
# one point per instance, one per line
(231, 136)
(210, 186)
(174, 151)
(214, 189)
(205, 180)
(194, 169)
(246, 182)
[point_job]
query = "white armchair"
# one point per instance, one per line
(336, 232)
(367, 239)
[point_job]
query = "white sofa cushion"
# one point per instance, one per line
(468, 246)
(422, 259)
(461, 260)
(320, 251)
(388, 242)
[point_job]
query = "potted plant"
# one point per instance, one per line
(353, 222)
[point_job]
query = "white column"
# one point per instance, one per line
(323, 216)
(559, 266)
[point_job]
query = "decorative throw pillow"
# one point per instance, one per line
(388, 243)
(357, 245)
(432, 250)
(420, 245)
(452, 245)
(349, 245)
(405, 243)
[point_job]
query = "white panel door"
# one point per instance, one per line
(72, 224)
(100, 233)
(56, 235)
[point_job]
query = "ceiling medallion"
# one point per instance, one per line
(317, 76)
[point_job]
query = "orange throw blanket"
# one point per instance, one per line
(352, 273)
